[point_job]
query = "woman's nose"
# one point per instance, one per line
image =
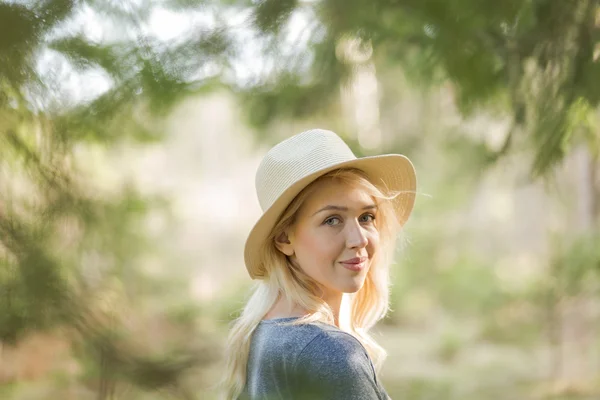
(356, 236)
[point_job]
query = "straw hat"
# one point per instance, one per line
(296, 162)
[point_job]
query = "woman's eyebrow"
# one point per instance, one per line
(340, 208)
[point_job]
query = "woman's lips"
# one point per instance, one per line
(355, 264)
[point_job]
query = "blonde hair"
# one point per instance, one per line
(280, 276)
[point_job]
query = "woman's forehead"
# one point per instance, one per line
(337, 193)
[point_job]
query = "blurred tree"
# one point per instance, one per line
(534, 58)
(58, 229)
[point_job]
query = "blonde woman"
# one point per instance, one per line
(320, 256)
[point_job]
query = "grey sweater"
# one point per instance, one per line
(311, 361)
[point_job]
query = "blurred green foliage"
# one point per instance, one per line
(72, 253)
(533, 58)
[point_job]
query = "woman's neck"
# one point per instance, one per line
(285, 309)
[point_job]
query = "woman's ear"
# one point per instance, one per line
(284, 244)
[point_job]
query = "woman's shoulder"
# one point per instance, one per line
(309, 340)
(330, 346)
(335, 365)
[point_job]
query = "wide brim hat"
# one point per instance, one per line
(294, 163)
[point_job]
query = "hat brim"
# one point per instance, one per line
(393, 172)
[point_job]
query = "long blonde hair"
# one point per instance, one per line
(365, 308)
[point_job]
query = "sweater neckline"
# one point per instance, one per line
(273, 320)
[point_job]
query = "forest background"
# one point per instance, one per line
(130, 132)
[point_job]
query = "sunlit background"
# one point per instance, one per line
(130, 133)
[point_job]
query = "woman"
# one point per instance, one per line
(320, 254)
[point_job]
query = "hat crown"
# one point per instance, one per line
(295, 158)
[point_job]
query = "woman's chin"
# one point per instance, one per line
(353, 286)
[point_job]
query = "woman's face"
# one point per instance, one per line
(335, 237)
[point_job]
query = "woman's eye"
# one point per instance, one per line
(332, 221)
(367, 218)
